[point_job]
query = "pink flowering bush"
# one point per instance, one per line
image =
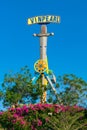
(44, 117)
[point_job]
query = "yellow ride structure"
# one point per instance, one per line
(41, 65)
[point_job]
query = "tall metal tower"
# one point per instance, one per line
(41, 65)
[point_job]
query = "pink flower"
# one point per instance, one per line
(22, 122)
(39, 123)
(33, 128)
(47, 119)
(15, 115)
(57, 110)
(11, 109)
(1, 113)
(14, 121)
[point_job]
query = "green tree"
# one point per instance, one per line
(72, 90)
(18, 89)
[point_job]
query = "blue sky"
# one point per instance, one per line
(66, 49)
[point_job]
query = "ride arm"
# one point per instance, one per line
(53, 88)
(35, 78)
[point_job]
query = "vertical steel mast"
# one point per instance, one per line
(43, 56)
(41, 66)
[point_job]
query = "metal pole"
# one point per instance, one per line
(43, 56)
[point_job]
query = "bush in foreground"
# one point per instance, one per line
(44, 117)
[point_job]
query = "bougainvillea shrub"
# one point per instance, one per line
(44, 117)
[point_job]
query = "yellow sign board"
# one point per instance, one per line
(44, 19)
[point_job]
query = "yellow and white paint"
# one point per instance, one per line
(44, 19)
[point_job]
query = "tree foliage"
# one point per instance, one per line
(17, 88)
(72, 90)
(61, 114)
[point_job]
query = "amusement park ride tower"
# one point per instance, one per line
(41, 66)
